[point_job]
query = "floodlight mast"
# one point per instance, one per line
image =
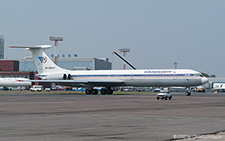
(124, 50)
(175, 65)
(56, 39)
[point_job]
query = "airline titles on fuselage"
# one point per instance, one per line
(158, 72)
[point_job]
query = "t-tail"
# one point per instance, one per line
(43, 63)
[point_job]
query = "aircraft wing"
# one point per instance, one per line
(84, 82)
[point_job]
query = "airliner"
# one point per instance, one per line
(50, 72)
(14, 82)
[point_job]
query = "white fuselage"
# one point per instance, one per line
(159, 78)
(14, 82)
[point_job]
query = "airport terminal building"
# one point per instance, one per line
(71, 64)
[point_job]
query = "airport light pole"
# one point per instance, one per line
(175, 65)
(56, 39)
(124, 50)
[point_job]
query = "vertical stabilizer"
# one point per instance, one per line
(43, 63)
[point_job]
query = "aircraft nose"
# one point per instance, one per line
(204, 80)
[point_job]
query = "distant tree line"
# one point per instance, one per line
(206, 75)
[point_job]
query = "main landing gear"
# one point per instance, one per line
(103, 91)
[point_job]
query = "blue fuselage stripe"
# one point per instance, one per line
(132, 75)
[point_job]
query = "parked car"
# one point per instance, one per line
(48, 89)
(157, 90)
(38, 88)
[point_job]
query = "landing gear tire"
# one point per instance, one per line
(109, 91)
(88, 92)
(188, 94)
(94, 91)
(103, 91)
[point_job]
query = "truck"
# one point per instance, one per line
(218, 87)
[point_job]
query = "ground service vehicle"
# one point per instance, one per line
(200, 89)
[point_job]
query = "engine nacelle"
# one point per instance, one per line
(57, 77)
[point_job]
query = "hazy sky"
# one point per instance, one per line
(158, 32)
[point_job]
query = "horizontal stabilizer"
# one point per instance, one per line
(34, 47)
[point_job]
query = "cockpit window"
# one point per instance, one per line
(199, 74)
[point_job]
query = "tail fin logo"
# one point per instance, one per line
(43, 59)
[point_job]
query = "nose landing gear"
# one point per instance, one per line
(188, 92)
